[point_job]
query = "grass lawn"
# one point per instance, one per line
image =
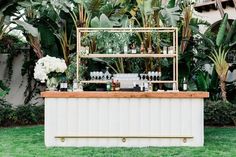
(29, 142)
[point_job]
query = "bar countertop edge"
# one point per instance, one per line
(94, 94)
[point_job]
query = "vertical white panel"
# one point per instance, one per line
(50, 121)
(72, 119)
(123, 117)
(197, 122)
(61, 119)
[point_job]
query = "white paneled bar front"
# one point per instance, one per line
(124, 119)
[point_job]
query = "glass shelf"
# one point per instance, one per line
(128, 56)
(105, 81)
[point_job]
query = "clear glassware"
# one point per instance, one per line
(156, 75)
(153, 75)
(159, 74)
(149, 75)
(91, 75)
(141, 76)
(145, 77)
(100, 75)
(97, 75)
(107, 75)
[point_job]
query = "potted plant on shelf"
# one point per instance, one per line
(49, 69)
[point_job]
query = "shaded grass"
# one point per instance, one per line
(29, 142)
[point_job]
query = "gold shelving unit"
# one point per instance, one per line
(174, 56)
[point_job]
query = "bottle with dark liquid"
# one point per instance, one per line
(185, 85)
(63, 85)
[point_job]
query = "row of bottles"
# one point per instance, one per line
(133, 49)
(75, 87)
(114, 85)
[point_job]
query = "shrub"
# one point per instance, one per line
(7, 115)
(218, 113)
(27, 114)
(39, 113)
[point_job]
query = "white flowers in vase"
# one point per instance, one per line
(47, 65)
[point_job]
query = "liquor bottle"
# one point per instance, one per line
(125, 48)
(133, 49)
(142, 48)
(185, 85)
(75, 85)
(150, 49)
(159, 75)
(108, 86)
(142, 87)
(107, 75)
(145, 85)
(117, 85)
(63, 85)
(80, 87)
(109, 49)
(150, 87)
(113, 85)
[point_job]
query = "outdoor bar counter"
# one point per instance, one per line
(124, 119)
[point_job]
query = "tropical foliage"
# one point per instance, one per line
(49, 27)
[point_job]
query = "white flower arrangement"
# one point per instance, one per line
(47, 65)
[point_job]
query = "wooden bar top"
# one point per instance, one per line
(95, 94)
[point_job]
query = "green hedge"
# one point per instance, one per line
(216, 113)
(219, 113)
(27, 114)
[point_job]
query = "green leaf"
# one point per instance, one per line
(231, 32)
(171, 4)
(95, 23)
(105, 22)
(28, 28)
(222, 30)
(202, 81)
(171, 16)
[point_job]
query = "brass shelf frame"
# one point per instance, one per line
(173, 30)
(104, 82)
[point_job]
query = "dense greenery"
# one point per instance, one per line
(49, 29)
(216, 113)
(27, 114)
(219, 113)
(29, 141)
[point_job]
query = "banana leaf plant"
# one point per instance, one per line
(218, 48)
(6, 10)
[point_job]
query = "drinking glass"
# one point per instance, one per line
(97, 75)
(156, 75)
(153, 75)
(159, 74)
(100, 75)
(149, 75)
(141, 77)
(91, 75)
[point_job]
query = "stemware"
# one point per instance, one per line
(156, 75)
(159, 74)
(100, 75)
(149, 75)
(97, 75)
(153, 75)
(91, 75)
(141, 76)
